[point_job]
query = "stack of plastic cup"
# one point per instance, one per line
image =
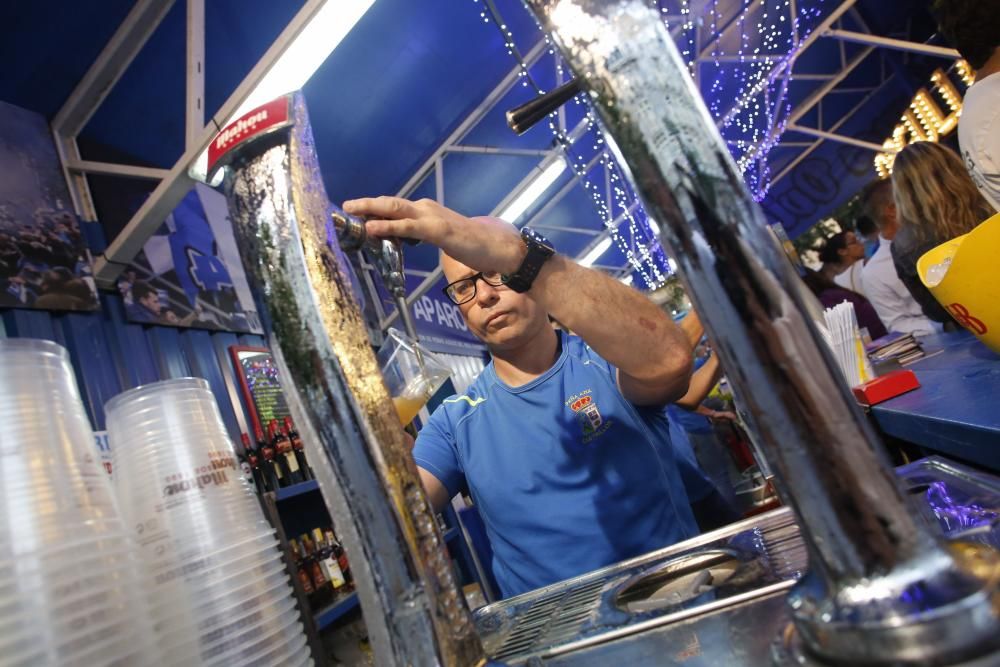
(218, 588)
(69, 584)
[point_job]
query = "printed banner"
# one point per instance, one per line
(44, 261)
(438, 321)
(189, 273)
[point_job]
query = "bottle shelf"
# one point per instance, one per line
(330, 613)
(296, 489)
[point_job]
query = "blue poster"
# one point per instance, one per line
(44, 261)
(189, 274)
(438, 321)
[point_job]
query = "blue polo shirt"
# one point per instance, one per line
(567, 475)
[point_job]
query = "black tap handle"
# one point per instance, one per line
(523, 118)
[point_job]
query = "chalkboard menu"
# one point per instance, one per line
(261, 384)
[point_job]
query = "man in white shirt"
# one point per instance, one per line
(973, 27)
(892, 301)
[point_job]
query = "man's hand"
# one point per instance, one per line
(483, 244)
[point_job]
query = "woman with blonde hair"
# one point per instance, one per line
(936, 201)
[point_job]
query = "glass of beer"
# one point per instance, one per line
(410, 384)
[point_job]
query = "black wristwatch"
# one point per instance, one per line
(539, 250)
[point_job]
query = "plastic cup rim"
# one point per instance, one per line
(153, 388)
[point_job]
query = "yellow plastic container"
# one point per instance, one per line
(970, 290)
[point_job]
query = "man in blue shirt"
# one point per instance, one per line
(562, 440)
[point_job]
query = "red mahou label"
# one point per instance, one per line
(250, 124)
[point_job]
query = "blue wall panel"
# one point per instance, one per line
(130, 342)
(110, 355)
(96, 370)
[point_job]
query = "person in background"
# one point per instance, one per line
(691, 426)
(894, 304)
(936, 201)
(147, 308)
(973, 27)
(842, 256)
(830, 294)
(866, 228)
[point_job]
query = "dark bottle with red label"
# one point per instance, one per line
(300, 454)
(305, 579)
(283, 444)
(270, 468)
(322, 590)
(253, 460)
(280, 461)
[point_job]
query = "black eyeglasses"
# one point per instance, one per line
(464, 290)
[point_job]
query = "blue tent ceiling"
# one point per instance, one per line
(410, 72)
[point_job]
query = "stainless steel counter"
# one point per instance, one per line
(717, 599)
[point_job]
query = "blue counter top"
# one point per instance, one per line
(956, 411)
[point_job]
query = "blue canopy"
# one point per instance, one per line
(410, 73)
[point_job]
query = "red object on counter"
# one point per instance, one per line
(885, 387)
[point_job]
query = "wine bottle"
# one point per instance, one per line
(300, 569)
(272, 473)
(283, 445)
(280, 462)
(341, 556)
(322, 591)
(253, 460)
(300, 454)
(331, 568)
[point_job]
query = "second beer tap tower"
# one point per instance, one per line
(879, 590)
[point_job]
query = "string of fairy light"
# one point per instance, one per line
(639, 246)
(738, 81)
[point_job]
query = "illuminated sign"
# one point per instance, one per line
(933, 113)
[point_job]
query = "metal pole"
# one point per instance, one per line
(890, 43)
(880, 590)
(194, 118)
(832, 136)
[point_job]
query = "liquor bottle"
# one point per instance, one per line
(331, 568)
(321, 586)
(272, 472)
(300, 454)
(300, 569)
(245, 471)
(341, 556)
(280, 444)
(253, 460)
(284, 445)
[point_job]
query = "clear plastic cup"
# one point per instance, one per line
(277, 657)
(217, 593)
(251, 601)
(215, 580)
(55, 497)
(258, 549)
(269, 635)
(269, 642)
(236, 632)
(410, 385)
(301, 658)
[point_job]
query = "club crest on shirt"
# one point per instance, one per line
(586, 411)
